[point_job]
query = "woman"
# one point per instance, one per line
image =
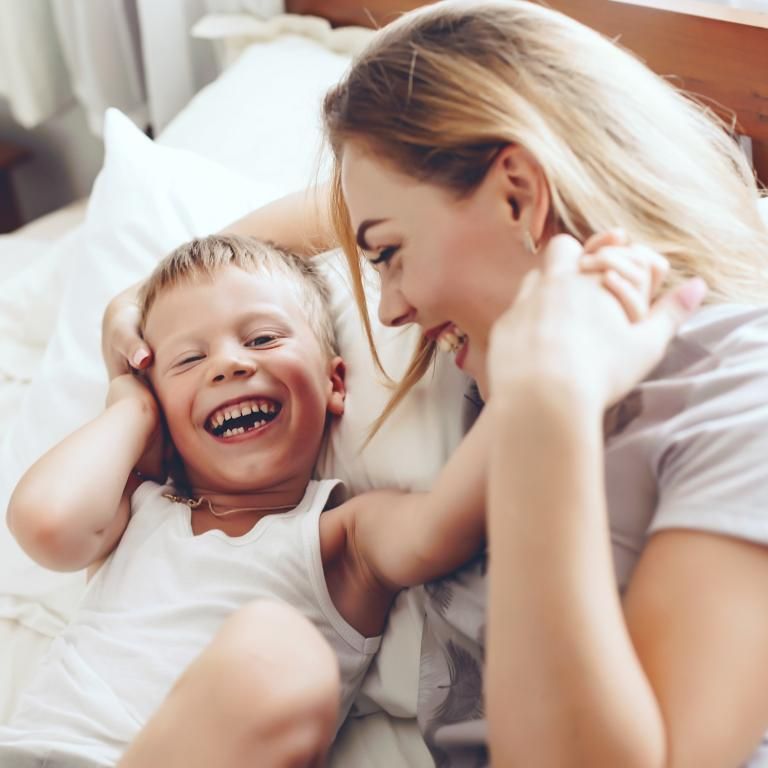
(478, 146)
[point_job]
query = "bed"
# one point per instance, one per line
(250, 136)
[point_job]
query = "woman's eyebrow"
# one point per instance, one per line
(365, 225)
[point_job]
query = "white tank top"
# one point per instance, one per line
(157, 602)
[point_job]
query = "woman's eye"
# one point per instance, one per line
(260, 341)
(384, 255)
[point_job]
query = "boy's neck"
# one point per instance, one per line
(236, 513)
(265, 501)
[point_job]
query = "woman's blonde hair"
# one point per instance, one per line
(440, 91)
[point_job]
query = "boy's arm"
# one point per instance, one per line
(411, 538)
(71, 507)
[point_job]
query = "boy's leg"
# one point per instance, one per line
(265, 692)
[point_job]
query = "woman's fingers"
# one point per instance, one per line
(122, 346)
(562, 255)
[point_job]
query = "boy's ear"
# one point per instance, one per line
(338, 389)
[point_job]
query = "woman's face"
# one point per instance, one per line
(442, 261)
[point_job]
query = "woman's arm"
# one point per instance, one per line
(299, 222)
(559, 654)
(676, 677)
(411, 538)
(71, 507)
(587, 685)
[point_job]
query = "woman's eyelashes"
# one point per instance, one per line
(383, 255)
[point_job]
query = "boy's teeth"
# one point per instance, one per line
(247, 408)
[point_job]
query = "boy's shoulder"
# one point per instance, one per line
(347, 513)
(349, 529)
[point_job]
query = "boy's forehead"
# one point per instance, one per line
(197, 300)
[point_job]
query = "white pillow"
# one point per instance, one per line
(146, 200)
(261, 117)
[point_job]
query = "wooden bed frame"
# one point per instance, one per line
(719, 54)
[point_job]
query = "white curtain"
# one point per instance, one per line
(33, 74)
(136, 55)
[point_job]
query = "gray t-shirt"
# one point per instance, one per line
(688, 448)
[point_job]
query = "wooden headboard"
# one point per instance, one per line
(718, 53)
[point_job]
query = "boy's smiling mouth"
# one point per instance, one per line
(246, 415)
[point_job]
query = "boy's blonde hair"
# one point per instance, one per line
(204, 257)
(440, 91)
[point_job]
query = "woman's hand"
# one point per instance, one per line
(567, 330)
(121, 346)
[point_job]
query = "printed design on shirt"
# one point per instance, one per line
(440, 593)
(464, 700)
(451, 680)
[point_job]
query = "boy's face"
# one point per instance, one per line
(242, 379)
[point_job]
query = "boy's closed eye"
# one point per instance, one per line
(262, 340)
(188, 360)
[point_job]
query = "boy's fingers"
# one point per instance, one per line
(630, 269)
(633, 304)
(672, 310)
(603, 239)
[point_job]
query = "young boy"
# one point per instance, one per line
(245, 378)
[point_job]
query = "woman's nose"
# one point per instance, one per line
(394, 310)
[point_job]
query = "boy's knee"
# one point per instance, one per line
(276, 676)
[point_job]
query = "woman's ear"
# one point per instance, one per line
(338, 391)
(525, 189)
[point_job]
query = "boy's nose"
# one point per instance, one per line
(233, 368)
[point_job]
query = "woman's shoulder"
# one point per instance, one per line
(718, 338)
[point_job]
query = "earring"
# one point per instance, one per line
(528, 243)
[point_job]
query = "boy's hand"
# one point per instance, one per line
(131, 386)
(128, 385)
(633, 273)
